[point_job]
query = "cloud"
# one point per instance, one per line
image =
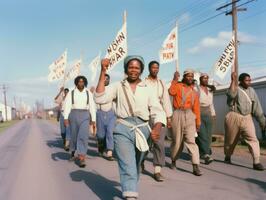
(221, 40)
(184, 18)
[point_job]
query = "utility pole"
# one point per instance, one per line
(4, 88)
(235, 9)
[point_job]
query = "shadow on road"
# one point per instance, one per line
(104, 188)
(261, 184)
(233, 164)
(57, 143)
(60, 156)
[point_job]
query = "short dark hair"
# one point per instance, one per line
(66, 90)
(152, 63)
(243, 76)
(81, 77)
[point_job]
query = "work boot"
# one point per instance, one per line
(66, 147)
(173, 165)
(207, 159)
(100, 147)
(196, 170)
(158, 177)
(82, 162)
(72, 156)
(227, 160)
(258, 167)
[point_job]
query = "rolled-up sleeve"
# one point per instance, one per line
(156, 110)
(167, 106)
(67, 105)
(107, 96)
(196, 109)
(92, 107)
(173, 88)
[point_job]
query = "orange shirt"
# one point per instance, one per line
(183, 96)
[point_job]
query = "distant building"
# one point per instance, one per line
(259, 84)
(11, 112)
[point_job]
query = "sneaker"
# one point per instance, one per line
(258, 167)
(158, 177)
(196, 170)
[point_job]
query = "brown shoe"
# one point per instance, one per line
(173, 165)
(258, 167)
(82, 162)
(196, 170)
(227, 160)
(158, 177)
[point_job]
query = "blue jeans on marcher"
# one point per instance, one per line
(79, 127)
(105, 127)
(65, 130)
(129, 157)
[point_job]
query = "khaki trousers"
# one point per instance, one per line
(184, 129)
(236, 125)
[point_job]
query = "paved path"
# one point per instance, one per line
(33, 166)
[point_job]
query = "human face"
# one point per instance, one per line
(133, 70)
(246, 82)
(204, 80)
(189, 78)
(154, 70)
(81, 84)
(106, 81)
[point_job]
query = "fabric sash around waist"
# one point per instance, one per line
(141, 141)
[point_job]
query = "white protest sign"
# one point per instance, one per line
(168, 52)
(57, 68)
(94, 65)
(117, 50)
(225, 62)
(74, 71)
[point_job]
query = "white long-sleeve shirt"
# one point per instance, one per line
(159, 88)
(207, 100)
(144, 103)
(106, 106)
(80, 102)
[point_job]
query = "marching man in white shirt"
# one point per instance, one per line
(80, 113)
(207, 114)
(159, 88)
(135, 103)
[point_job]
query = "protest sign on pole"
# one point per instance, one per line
(169, 50)
(57, 68)
(226, 60)
(94, 66)
(117, 50)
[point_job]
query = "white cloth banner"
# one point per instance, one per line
(169, 51)
(117, 50)
(225, 62)
(94, 66)
(74, 71)
(57, 68)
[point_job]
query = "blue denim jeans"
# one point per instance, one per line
(105, 127)
(129, 158)
(79, 127)
(65, 130)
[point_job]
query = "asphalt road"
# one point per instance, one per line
(33, 166)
